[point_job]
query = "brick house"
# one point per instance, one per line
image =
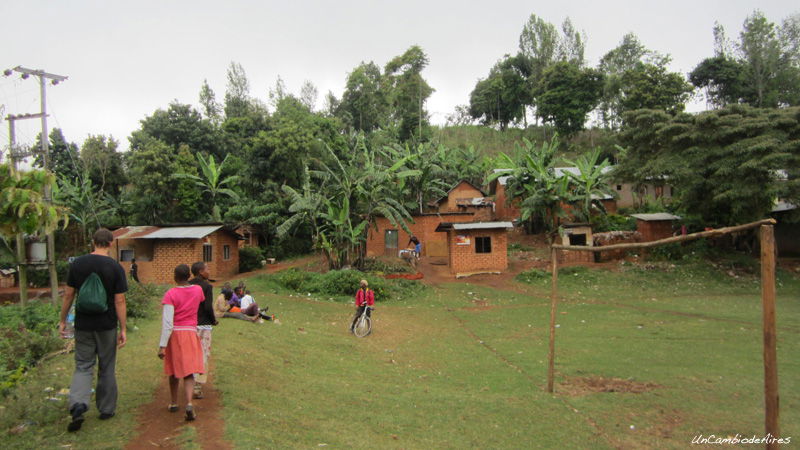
(502, 210)
(477, 247)
(655, 226)
(158, 249)
(576, 234)
(387, 239)
(466, 197)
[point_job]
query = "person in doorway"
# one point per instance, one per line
(205, 321)
(96, 335)
(134, 270)
(365, 297)
(179, 346)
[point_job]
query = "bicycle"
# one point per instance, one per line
(363, 326)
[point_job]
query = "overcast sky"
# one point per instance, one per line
(127, 59)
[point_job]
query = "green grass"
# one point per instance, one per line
(138, 374)
(462, 365)
(465, 365)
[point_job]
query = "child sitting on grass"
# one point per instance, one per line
(180, 347)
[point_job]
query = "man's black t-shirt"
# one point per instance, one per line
(113, 277)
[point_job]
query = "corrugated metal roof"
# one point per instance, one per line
(655, 216)
(482, 225)
(781, 206)
(197, 232)
(133, 232)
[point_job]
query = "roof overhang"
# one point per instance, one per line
(447, 226)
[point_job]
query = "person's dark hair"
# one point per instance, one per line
(133, 260)
(237, 290)
(247, 291)
(227, 293)
(181, 273)
(102, 238)
(197, 267)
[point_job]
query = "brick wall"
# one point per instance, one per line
(168, 253)
(504, 211)
(462, 190)
(654, 230)
(463, 258)
(424, 227)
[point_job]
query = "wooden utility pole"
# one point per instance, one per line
(553, 302)
(771, 401)
(48, 194)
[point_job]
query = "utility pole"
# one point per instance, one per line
(15, 155)
(48, 194)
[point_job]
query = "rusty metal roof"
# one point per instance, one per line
(133, 232)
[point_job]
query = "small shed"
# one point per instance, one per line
(477, 247)
(158, 249)
(655, 226)
(576, 234)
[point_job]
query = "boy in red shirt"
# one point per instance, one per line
(364, 297)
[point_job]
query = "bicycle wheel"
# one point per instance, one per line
(363, 326)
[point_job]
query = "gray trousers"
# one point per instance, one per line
(92, 346)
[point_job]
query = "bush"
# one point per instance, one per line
(612, 222)
(533, 276)
(250, 259)
(344, 283)
(142, 299)
(26, 335)
(375, 265)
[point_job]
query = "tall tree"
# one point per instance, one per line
(103, 164)
(650, 86)
(614, 65)
(208, 101)
(237, 92)
(308, 95)
(566, 94)
(180, 124)
(761, 69)
(502, 97)
(571, 45)
(64, 158)
(364, 105)
(409, 92)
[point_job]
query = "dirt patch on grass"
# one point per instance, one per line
(577, 386)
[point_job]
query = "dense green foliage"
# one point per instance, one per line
(26, 334)
(341, 285)
(250, 258)
(730, 165)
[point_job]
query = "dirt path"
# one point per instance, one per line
(159, 428)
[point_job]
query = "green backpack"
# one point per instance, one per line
(92, 297)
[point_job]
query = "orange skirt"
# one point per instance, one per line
(184, 354)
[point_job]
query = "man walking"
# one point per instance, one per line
(96, 337)
(205, 320)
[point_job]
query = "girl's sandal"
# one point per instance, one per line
(172, 408)
(190, 415)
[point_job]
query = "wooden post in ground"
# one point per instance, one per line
(771, 404)
(553, 301)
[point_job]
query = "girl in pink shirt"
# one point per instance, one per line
(180, 347)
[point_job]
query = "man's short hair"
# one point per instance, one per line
(181, 273)
(197, 267)
(102, 238)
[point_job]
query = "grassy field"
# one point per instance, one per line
(464, 365)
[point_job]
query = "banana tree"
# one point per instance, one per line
(590, 185)
(213, 183)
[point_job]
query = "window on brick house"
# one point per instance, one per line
(483, 244)
(207, 252)
(226, 252)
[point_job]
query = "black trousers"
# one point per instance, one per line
(359, 311)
